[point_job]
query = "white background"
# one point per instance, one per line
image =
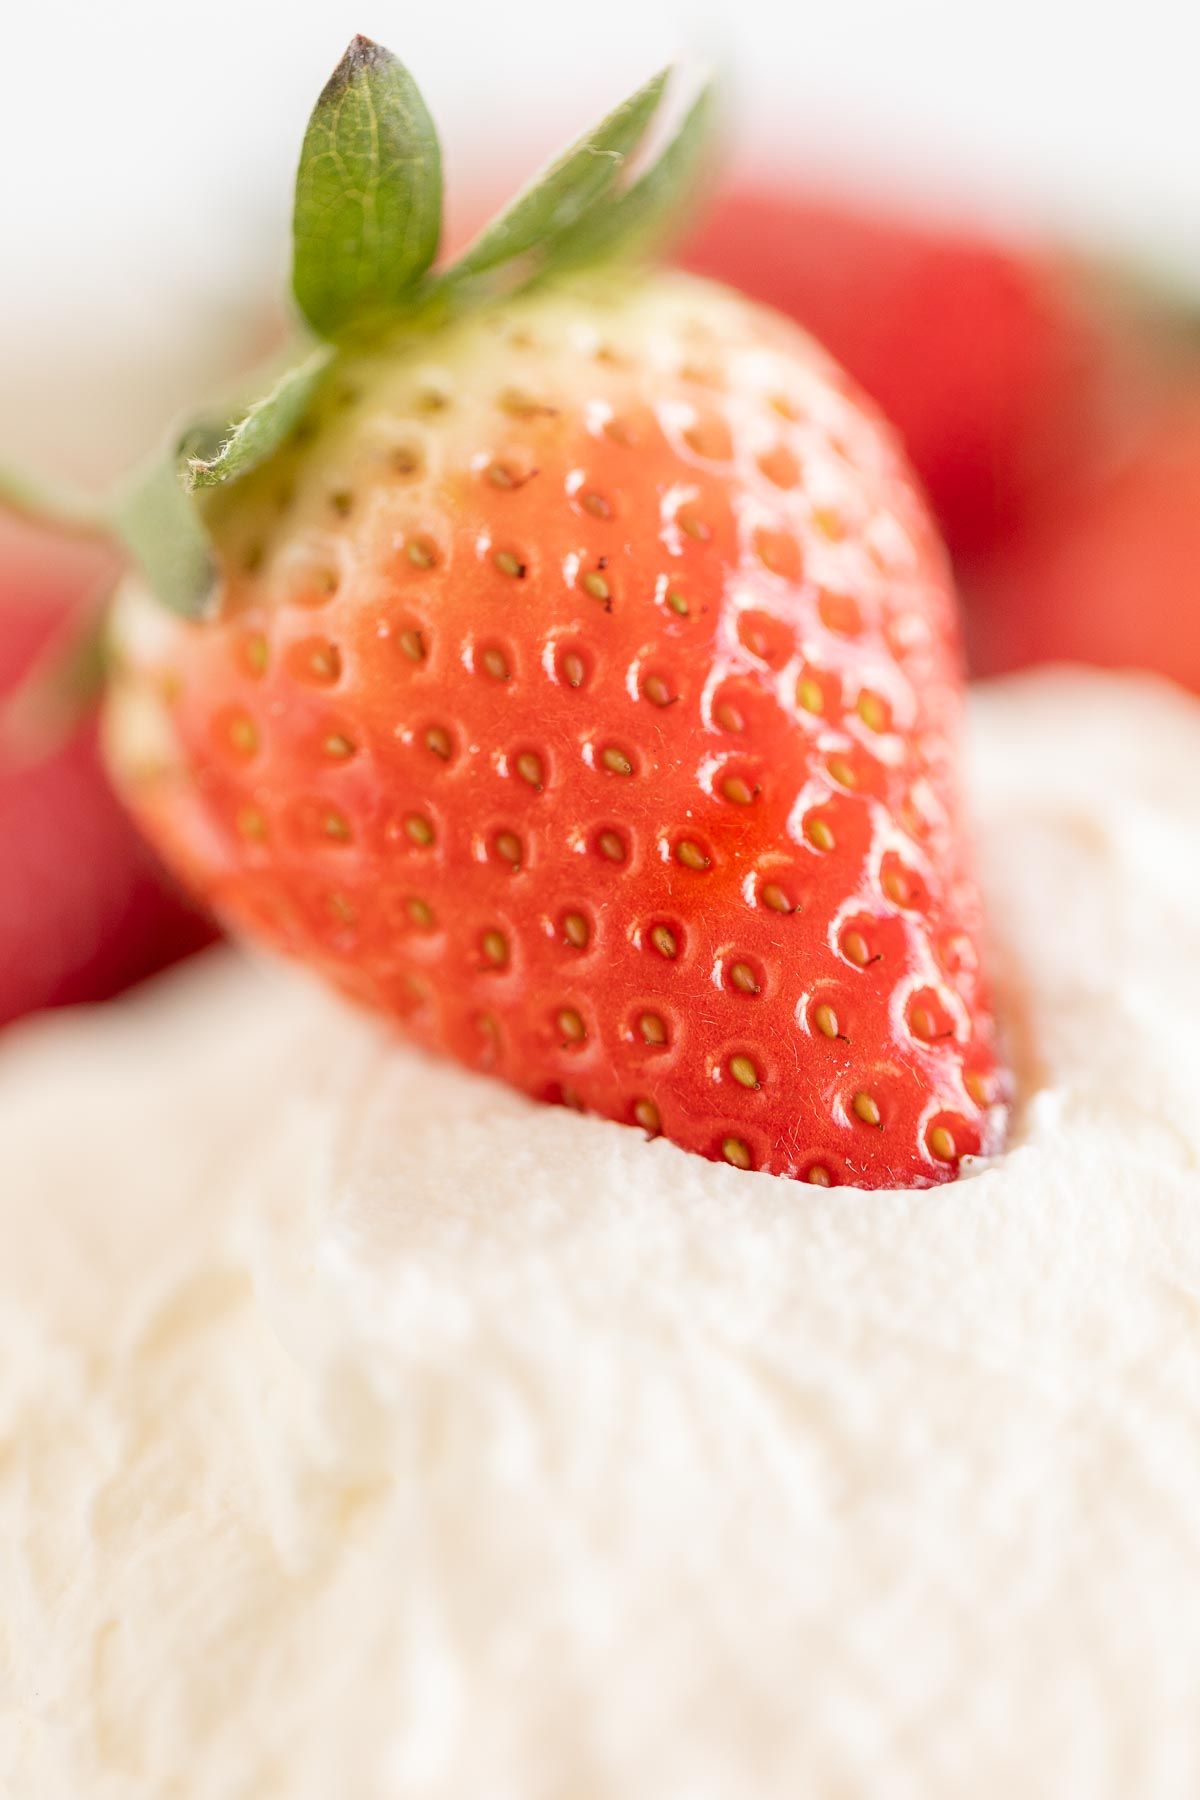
(147, 147)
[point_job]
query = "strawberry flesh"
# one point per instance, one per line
(587, 704)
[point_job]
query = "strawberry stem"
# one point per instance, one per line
(62, 509)
(60, 688)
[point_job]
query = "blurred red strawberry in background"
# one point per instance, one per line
(986, 357)
(1111, 573)
(1054, 417)
(84, 908)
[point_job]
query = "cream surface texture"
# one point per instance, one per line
(369, 1434)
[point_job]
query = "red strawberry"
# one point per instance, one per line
(987, 357)
(582, 689)
(84, 909)
(1113, 575)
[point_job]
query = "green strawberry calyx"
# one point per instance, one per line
(365, 234)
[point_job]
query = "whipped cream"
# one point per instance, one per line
(365, 1430)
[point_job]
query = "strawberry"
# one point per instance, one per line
(84, 907)
(574, 677)
(1111, 575)
(992, 360)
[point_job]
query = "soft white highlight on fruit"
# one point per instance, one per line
(366, 1431)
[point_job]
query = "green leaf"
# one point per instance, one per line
(261, 429)
(368, 195)
(643, 219)
(557, 199)
(366, 227)
(160, 524)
